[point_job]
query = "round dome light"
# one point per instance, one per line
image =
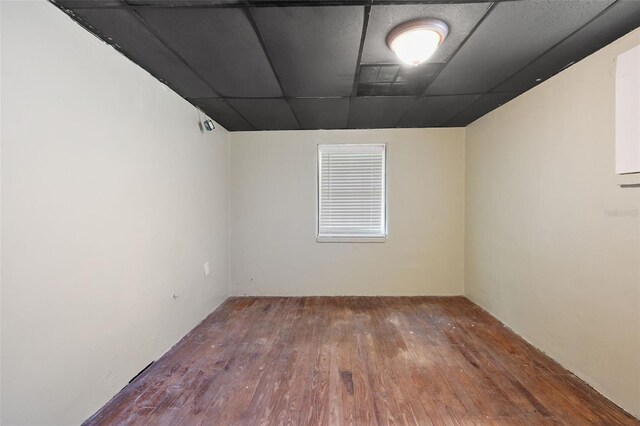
(415, 41)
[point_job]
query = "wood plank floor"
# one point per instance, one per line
(356, 360)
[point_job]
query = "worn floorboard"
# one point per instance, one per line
(356, 361)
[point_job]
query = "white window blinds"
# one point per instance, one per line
(351, 191)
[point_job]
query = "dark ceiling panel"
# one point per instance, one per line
(314, 49)
(88, 3)
(394, 80)
(266, 114)
(138, 43)
(512, 35)
(438, 1)
(263, 3)
(212, 53)
(485, 104)
(411, 80)
(435, 111)
(221, 44)
(460, 17)
(182, 3)
(616, 21)
(223, 113)
(378, 112)
(375, 80)
(322, 113)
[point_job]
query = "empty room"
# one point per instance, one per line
(320, 212)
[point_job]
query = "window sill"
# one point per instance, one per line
(351, 239)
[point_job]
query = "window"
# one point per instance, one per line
(351, 193)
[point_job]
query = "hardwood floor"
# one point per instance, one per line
(356, 360)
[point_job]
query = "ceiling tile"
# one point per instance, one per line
(369, 74)
(378, 112)
(435, 111)
(380, 89)
(209, 49)
(387, 73)
(322, 113)
(375, 79)
(616, 21)
(266, 114)
(219, 43)
(314, 49)
(512, 35)
(394, 80)
(137, 42)
(88, 3)
(437, 1)
(182, 3)
(405, 89)
(461, 19)
(307, 2)
(223, 113)
(485, 104)
(412, 80)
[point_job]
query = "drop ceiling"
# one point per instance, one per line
(314, 64)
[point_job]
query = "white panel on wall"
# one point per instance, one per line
(628, 112)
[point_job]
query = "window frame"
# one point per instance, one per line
(352, 239)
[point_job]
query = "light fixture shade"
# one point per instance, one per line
(414, 42)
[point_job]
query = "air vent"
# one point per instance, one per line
(394, 80)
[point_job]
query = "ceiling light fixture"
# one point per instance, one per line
(414, 42)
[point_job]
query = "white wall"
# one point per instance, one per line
(112, 200)
(552, 242)
(0, 215)
(273, 214)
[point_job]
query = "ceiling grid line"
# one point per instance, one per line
(395, 79)
(324, 64)
(341, 97)
(273, 3)
(96, 33)
(256, 29)
(491, 91)
(356, 77)
(188, 65)
(119, 49)
(485, 15)
(437, 73)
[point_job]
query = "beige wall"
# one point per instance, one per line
(273, 217)
(552, 242)
(112, 200)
